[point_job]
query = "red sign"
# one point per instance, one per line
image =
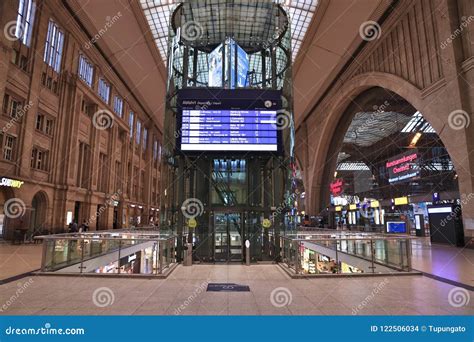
(403, 167)
(336, 187)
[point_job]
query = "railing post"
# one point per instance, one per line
(283, 254)
(155, 270)
(43, 260)
(372, 248)
(118, 259)
(297, 257)
(160, 260)
(82, 255)
(408, 246)
(53, 257)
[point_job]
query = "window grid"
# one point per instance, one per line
(118, 105)
(138, 133)
(8, 148)
(54, 46)
(130, 123)
(86, 70)
(24, 20)
(104, 90)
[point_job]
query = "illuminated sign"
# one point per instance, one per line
(232, 120)
(401, 200)
(403, 167)
(337, 186)
(338, 208)
(375, 204)
(11, 183)
(353, 207)
(215, 67)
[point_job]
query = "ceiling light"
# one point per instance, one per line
(415, 139)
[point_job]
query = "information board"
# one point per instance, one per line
(229, 130)
(229, 120)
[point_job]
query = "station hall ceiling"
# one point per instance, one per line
(157, 13)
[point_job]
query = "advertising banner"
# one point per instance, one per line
(238, 71)
(215, 67)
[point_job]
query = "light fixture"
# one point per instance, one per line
(415, 139)
(335, 174)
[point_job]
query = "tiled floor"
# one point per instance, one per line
(272, 292)
(19, 259)
(448, 262)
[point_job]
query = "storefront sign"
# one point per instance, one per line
(11, 183)
(353, 207)
(403, 167)
(401, 200)
(336, 187)
(266, 223)
(339, 208)
(374, 204)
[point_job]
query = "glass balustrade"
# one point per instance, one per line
(118, 252)
(330, 253)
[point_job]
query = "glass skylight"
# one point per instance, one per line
(352, 167)
(157, 13)
(418, 124)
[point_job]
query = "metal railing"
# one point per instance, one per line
(345, 253)
(115, 252)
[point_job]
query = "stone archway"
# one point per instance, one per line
(7, 225)
(39, 207)
(434, 107)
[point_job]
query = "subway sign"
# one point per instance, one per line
(403, 167)
(11, 183)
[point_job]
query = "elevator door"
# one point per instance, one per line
(227, 237)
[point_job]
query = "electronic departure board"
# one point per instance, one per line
(232, 121)
(229, 130)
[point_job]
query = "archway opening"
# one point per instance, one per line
(39, 206)
(386, 162)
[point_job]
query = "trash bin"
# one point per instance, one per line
(18, 236)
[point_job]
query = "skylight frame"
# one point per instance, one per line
(157, 13)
